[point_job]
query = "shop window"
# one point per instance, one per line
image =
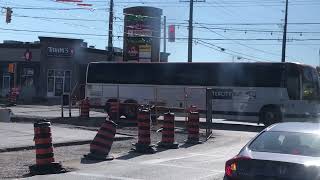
(50, 84)
(27, 77)
(59, 82)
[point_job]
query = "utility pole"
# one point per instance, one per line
(110, 43)
(164, 34)
(190, 37)
(284, 40)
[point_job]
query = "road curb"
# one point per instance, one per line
(62, 144)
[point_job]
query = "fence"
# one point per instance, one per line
(123, 101)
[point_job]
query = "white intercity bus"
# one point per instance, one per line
(261, 92)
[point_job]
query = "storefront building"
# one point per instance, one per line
(44, 70)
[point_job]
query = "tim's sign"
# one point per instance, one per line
(222, 93)
(60, 52)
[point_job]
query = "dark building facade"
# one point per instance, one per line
(44, 70)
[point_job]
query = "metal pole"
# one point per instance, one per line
(62, 106)
(70, 104)
(190, 38)
(284, 40)
(15, 75)
(118, 97)
(110, 43)
(164, 34)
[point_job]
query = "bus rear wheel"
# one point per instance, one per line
(113, 116)
(130, 109)
(270, 115)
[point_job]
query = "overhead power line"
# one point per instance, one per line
(56, 18)
(232, 53)
(178, 38)
(241, 44)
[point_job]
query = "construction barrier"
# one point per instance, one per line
(44, 150)
(144, 140)
(193, 128)
(167, 140)
(85, 108)
(102, 142)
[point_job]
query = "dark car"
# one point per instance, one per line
(282, 151)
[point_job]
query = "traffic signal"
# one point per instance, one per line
(172, 33)
(11, 68)
(8, 14)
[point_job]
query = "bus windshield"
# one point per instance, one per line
(310, 84)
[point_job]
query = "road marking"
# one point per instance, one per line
(103, 176)
(210, 176)
(156, 161)
(186, 167)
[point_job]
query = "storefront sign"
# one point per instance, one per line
(140, 33)
(144, 53)
(133, 53)
(60, 52)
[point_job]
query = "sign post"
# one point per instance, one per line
(209, 109)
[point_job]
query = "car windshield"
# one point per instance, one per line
(305, 144)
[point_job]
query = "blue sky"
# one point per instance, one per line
(214, 19)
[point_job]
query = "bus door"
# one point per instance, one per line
(196, 96)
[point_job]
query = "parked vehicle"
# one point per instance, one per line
(283, 151)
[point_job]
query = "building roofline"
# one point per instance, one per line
(30, 46)
(59, 39)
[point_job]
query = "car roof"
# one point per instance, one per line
(301, 127)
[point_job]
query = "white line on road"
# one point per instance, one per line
(210, 176)
(156, 161)
(103, 176)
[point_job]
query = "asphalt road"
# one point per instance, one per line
(203, 161)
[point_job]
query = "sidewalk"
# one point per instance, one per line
(31, 113)
(48, 112)
(19, 136)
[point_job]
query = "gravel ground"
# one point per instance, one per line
(15, 164)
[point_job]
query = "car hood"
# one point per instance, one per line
(305, 160)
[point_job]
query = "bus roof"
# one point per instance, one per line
(133, 62)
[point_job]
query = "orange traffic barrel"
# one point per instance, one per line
(12, 97)
(102, 142)
(193, 128)
(85, 108)
(44, 150)
(114, 110)
(167, 140)
(144, 139)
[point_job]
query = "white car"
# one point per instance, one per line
(282, 151)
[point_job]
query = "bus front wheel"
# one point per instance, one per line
(270, 115)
